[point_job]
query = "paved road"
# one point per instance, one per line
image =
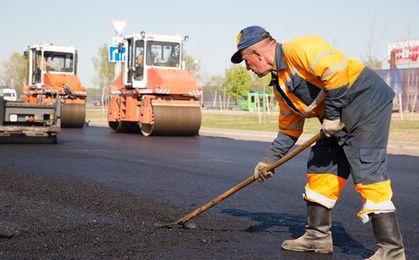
(177, 174)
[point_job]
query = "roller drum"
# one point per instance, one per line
(174, 120)
(73, 115)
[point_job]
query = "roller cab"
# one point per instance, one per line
(153, 93)
(52, 74)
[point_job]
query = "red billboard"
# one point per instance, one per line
(405, 52)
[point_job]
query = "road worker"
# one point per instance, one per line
(310, 78)
(48, 66)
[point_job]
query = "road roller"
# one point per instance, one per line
(53, 73)
(153, 93)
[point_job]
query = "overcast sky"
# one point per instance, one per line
(357, 27)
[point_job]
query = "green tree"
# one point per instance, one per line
(238, 82)
(212, 87)
(262, 84)
(191, 64)
(105, 71)
(94, 94)
(15, 72)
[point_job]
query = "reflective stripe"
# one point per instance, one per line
(286, 101)
(298, 125)
(293, 72)
(314, 103)
(371, 207)
(282, 86)
(285, 113)
(313, 65)
(317, 197)
(334, 69)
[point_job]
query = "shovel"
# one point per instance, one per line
(183, 221)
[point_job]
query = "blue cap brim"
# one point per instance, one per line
(237, 57)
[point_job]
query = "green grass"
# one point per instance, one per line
(250, 121)
(400, 130)
(96, 114)
(404, 130)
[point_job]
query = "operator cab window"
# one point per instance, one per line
(139, 60)
(36, 65)
(163, 54)
(58, 61)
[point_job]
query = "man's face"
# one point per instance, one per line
(255, 62)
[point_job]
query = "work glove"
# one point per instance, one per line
(260, 173)
(332, 127)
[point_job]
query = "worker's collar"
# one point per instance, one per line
(279, 62)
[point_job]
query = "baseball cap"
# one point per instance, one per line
(247, 37)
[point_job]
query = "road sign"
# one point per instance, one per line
(116, 56)
(119, 26)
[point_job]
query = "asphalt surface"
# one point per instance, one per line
(98, 194)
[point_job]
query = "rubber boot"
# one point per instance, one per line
(387, 236)
(318, 237)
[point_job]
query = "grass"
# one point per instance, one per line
(400, 130)
(96, 114)
(249, 121)
(404, 130)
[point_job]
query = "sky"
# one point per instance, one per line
(359, 28)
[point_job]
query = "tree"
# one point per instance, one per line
(191, 64)
(238, 82)
(105, 71)
(373, 63)
(15, 72)
(262, 84)
(212, 88)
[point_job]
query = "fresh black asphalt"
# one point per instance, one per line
(97, 194)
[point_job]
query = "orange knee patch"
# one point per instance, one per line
(326, 184)
(376, 192)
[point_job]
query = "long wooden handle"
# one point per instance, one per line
(294, 152)
(249, 180)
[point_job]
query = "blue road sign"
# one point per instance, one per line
(116, 56)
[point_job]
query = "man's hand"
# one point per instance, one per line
(332, 127)
(261, 174)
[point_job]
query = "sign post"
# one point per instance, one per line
(119, 26)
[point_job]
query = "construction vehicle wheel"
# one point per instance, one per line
(73, 115)
(113, 125)
(173, 120)
(127, 127)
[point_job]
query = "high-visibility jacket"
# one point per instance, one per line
(310, 79)
(313, 80)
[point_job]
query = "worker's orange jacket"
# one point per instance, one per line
(310, 79)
